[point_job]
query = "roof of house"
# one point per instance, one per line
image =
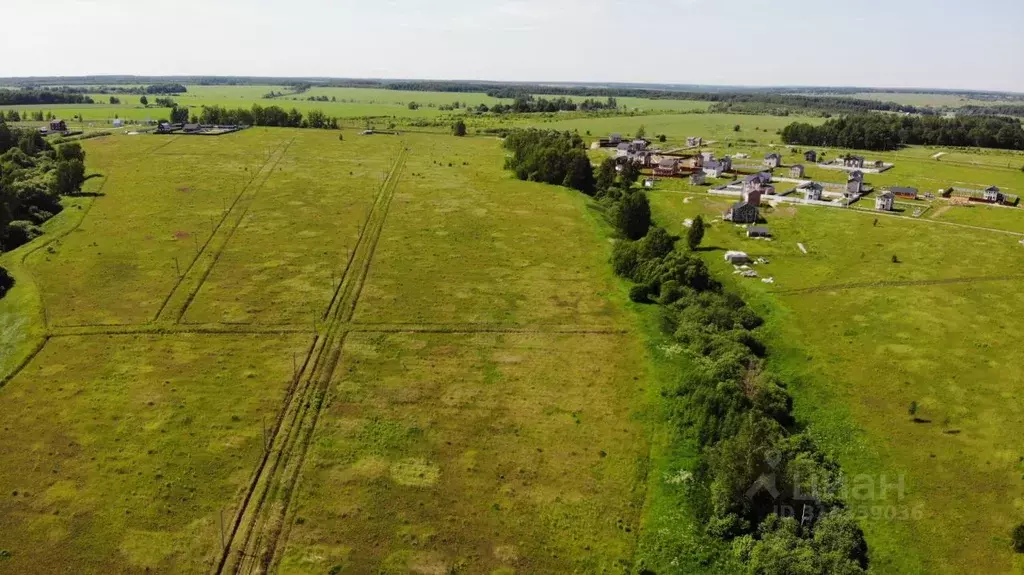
(740, 205)
(886, 194)
(772, 155)
(858, 158)
(623, 146)
(856, 175)
(192, 126)
(796, 166)
(903, 190)
(992, 189)
(812, 186)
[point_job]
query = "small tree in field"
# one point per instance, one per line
(144, 101)
(736, 128)
(695, 235)
(459, 128)
(641, 132)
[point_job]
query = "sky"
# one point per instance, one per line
(976, 44)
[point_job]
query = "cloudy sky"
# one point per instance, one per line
(977, 44)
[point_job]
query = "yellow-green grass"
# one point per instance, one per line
(289, 252)
(484, 453)
(857, 356)
(121, 453)
(466, 242)
(934, 100)
(162, 199)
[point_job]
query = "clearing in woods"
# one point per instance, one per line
(275, 349)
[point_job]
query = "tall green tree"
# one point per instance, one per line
(633, 215)
(581, 175)
(630, 174)
(695, 235)
(459, 128)
(606, 175)
(143, 100)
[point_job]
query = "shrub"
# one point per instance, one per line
(639, 294)
(1018, 538)
(633, 215)
(20, 232)
(459, 128)
(6, 282)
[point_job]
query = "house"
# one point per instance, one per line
(707, 156)
(811, 156)
(854, 186)
(756, 181)
(714, 169)
(741, 213)
(758, 232)
(812, 191)
(754, 196)
(856, 175)
(639, 145)
(796, 171)
(698, 178)
(904, 193)
(694, 141)
(622, 150)
(853, 162)
(736, 258)
(118, 123)
(884, 201)
(58, 126)
(772, 160)
(694, 162)
(726, 162)
(193, 128)
(992, 194)
(667, 167)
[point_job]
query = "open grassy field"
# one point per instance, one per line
(348, 104)
(862, 338)
(275, 347)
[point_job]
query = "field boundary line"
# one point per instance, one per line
(163, 145)
(24, 362)
(482, 328)
(907, 283)
(231, 233)
(191, 265)
(177, 329)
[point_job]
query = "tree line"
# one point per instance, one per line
(33, 177)
(36, 97)
(529, 104)
(273, 116)
(888, 132)
(727, 402)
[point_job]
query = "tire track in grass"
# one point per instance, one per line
(256, 528)
(160, 314)
(230, 234)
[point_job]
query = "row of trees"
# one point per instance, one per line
(528, 104)
(889, 132)
(37, 97)
(33, 177)
(727, 402)
(256, 116)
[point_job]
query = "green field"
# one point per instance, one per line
(291, 343)
(280, 349)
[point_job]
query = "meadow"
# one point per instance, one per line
(244, 349)
(862, 339)
(280, 349)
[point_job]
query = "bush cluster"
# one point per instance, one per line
(33, 176)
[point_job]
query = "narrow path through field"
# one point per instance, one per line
(188, 284)
(253, 540)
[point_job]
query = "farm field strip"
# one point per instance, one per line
(245, 198)
(243, 551)
(907, 283)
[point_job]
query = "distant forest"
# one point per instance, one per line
(888, 132)
(33, 97)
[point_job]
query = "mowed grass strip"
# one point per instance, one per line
(155, 214)
(477, 453)
(859, 357)
(466, 242)
(287, 255)
(121, 452)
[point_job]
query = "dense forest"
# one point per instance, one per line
(754, 463)
(33, 177)
(889, 132)
(529, 104)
